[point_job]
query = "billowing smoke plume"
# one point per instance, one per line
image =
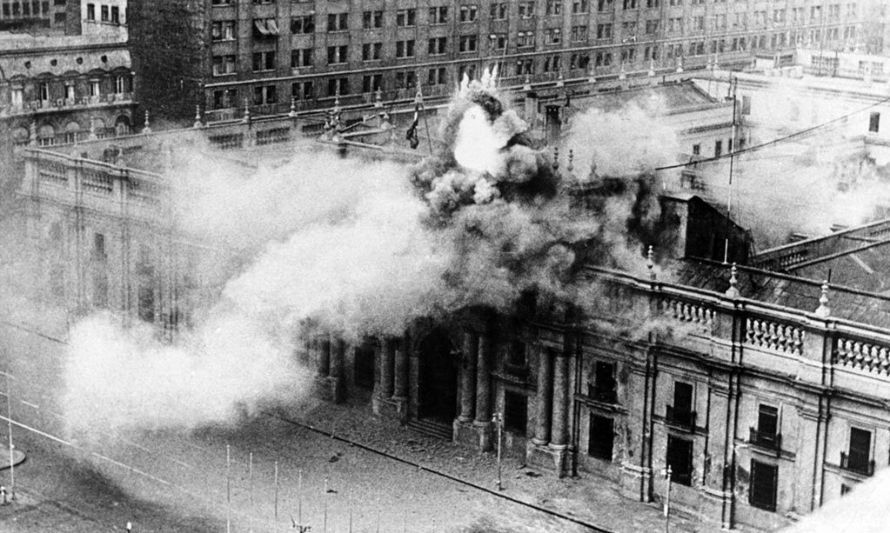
(356, 248)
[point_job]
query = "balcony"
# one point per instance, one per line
(602, 394)
(768, 441)
(858, 464)
(679, 418)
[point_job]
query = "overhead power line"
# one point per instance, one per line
(779, 140)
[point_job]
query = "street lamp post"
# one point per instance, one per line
(11, 445)
(499, 425)
(667, 500)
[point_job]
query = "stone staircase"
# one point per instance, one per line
(432, 428)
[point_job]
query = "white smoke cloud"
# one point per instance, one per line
(351, 247)
(128, 379)
(622, 142)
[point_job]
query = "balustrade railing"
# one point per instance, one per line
(774, 336)
(857, 463)
(862, 355)
(769, 441)
(690, 313)
(680, 417)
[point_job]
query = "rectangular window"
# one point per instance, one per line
(630, 4)
(371, 82)
(764, 478)
(554, 7)
(338, 21)
(265, 94)
(372, 51)
(304, 24)
(105, 15)
(579, 33)
(579, 6)
(526, 9)
(603, 31)
(603, 385)
(338, 86)
(439, 15)
(679, 458)
(223, 65)
(746, 104)
(553, 36)
(768, 420)
(337, 54)
(437, 45)
(601, 437)
(468, 13)
(604, 5)
(115, 15)
(437, 76)
(718, 148)
(372, 19)
(515, 412)
(301, 57)
(859, 454)
(498, 41)
(264, 61)
(91, 11)
(874, 122)
(499, 11)
(525, 39)
(405, 48)
(405, 79)
(467, 43)
(405, 17)
(222, 30)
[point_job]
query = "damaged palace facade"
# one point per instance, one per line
(764, 400)
(765, 392)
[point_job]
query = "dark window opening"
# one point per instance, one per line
(679, 458)
(603, 386)
(858, 457)
(762, 493)
(874, 122)
(601, 437)
(681, 412)
(515, 412)
(364, 367)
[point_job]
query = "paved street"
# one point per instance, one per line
(177, 480)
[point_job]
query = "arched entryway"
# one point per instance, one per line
(437, 383)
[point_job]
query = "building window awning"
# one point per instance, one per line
(272, 26)
(260, 26)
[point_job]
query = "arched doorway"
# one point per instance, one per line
(438, 370)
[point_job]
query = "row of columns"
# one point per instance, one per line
(330, 352)
(552, 405)
(475, 382)
(393, 372)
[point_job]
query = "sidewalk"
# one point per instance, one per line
(589, 498)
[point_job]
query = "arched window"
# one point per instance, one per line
(46, 135)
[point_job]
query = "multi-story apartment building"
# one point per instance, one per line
(31, 15)
(225, 55)
(61, 88)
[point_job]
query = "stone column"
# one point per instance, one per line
(483, 389)
(468, 357)
(558, 431)
(386, 367)
(323, 361)
(337, 354)
(400, 378)
(542, 403)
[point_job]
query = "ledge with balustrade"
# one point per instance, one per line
(66, 104)
(93, 184)
(735, 330)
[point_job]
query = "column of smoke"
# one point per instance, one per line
(354, 248)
